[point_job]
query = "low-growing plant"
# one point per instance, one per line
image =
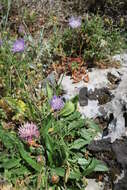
(43, 138)
(91, 40)
(51, 153)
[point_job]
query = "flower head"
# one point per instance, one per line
(18, 46)
(28, 131)
(56, 103)
(75, 22)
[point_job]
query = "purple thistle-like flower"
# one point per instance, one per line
(18, 46)
(56, 103)
(75, 22)
(28, 131)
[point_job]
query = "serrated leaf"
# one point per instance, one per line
(68, 109)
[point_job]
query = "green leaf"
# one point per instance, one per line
(88, 134)
(83, 161)
(91, 124)
(49, 143)
(3, 156)
(49, 91)
(68, 109)
(95, 165)
(76, 124)
(6, 139)
(49, 148)
(22, 170)
(90, 168)
(75, 174)
(27, 158)
(100, 166)
(74, 116)
(79, 143)
(48, 122)
(11, 163)
(59, 154)
(61, 172)
(58, 171)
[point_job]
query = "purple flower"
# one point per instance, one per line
(18, 46)
(75, 22)
(28, 131)
(56, 103)
(1, 42)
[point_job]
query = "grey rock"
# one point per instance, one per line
(120, 150)
(113, 78)
(92, 95)
(122, 184)
(83, 99)
(100, 146)
(101, 96)
(105, 132)
(83, 102)
(83, 92)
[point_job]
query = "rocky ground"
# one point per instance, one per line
(104, 99)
